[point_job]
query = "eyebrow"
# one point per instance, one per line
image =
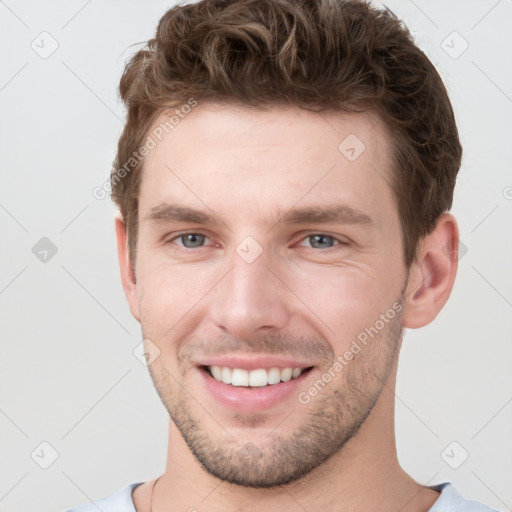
(338, 214)
(174, 213)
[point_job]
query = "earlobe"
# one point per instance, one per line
(432, 275)
(125, 265)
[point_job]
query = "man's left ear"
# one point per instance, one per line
(433, 273)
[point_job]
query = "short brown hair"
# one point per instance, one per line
(323, 55)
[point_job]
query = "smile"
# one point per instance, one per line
(259, 377)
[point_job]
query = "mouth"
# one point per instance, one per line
(238, 383)
(256, 378)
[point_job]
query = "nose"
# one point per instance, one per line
(250, 299)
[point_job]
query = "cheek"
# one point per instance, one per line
(170, 295)
(344, 300)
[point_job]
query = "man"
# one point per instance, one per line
(284, 179)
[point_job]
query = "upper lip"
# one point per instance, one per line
(254, 362)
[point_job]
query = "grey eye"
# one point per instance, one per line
(192, 240)
(321, 241)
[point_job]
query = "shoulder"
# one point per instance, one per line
(121, 501)
(451, 501)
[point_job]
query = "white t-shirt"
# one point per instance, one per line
(449, 501)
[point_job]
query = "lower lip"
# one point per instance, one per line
(245, 399)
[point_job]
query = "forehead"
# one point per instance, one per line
(257, 158)
(259, 125)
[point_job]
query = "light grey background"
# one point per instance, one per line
(68, 373)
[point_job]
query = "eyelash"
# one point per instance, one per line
(180, 235)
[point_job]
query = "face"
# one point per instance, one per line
(268, 246)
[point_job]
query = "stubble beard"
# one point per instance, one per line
(332, 419)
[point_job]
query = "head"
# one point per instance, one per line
(317, 146)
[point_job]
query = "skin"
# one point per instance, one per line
(298, 298)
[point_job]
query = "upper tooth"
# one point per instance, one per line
(240, 377)
(254, 378)
(216, 372)
(274, 376)
(226, 375)
(286, 374)
(258, 377)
